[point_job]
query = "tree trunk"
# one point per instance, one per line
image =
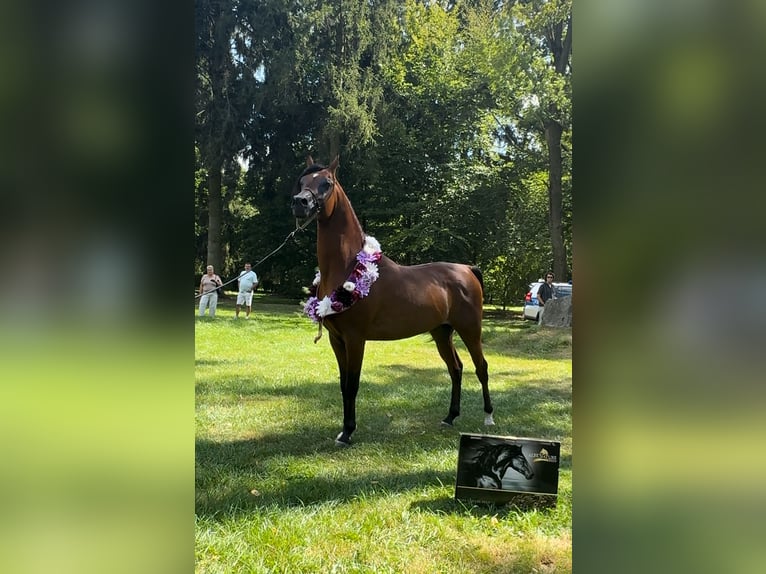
(561, 47)
(215, 218)
(553, 132)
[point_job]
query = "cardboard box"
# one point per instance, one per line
(500, 468)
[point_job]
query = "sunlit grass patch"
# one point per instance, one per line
(275, 495)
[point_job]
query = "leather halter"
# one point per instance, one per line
(314, 200)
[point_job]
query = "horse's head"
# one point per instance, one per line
(314, 190)
(513, 457)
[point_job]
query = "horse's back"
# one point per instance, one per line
(409, 300)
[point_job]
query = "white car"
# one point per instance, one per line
(532, 305)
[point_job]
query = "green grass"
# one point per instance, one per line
(274, 494)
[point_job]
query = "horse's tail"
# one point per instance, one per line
(479, 275)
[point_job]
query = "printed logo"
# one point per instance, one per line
(543, 456)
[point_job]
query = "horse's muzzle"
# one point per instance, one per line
(304, 205)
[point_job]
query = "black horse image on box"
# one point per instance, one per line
(491, 462)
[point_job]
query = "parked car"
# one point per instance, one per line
(532, 305)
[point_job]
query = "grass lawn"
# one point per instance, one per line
(274, 494)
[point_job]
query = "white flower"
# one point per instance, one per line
(324, 307)
(372, 272)
(371, 245)
(317, 279)
(349, 286)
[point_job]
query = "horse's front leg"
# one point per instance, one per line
(349, 358)
(339, 348)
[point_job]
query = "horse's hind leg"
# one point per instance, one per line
(473, 343)
(443, 338)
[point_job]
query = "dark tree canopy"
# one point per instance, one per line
(452, 121)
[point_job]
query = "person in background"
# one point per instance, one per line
(544, 294)
(247, 282)
(208, 286)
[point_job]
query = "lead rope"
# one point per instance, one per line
(319, 334)
(289, 236)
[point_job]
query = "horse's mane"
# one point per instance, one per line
(487, 454)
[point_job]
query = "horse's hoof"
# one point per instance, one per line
(489, 421)
(446, 424)
(340, 442)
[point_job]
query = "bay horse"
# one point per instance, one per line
(437, 298)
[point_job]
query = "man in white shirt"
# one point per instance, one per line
(247, 282)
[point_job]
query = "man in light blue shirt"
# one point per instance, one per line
(247, 282)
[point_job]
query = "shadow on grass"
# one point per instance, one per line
(520, 503)
(398, 412)
(303, 466)
(397, 432)
(502, 315)
(535, 408)
(242, 477)
(208, 362)
(253, 492)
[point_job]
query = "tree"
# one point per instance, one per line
(434, 143)
(222, 95)
(318, 94)
(525, 49)
(546, 26)
(557, 29)
(439, 110)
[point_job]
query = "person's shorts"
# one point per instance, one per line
(245, 298)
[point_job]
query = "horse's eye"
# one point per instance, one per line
(324, 187)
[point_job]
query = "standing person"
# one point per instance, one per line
(545, 294)
(247, 282)
(207, 288)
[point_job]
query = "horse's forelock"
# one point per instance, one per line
(312, 168)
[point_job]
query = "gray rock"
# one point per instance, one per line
(558, 313)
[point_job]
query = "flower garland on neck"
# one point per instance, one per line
(356, 287)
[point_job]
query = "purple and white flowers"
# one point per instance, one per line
(356, 287)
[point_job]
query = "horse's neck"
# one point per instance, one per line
(339, 239)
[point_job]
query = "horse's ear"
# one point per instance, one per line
(334, 164)
(309, 161)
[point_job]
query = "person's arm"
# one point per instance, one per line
(200, 284)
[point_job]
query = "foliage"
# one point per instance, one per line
(437, 110)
